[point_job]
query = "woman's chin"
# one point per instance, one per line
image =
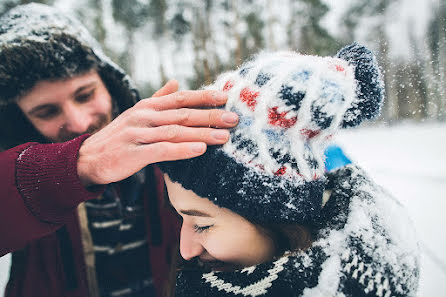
(219, 266)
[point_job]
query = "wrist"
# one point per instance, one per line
(84, 168)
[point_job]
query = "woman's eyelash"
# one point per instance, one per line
(200, 229)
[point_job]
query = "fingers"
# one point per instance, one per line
(166, 151)
(185, 99)
(178, 134)
(170, 87)
(186, 117)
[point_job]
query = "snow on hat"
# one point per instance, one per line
(272, 168)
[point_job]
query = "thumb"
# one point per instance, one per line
(170, 87)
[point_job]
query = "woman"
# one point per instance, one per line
(261, 217)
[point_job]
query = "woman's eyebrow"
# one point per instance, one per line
(195, 213)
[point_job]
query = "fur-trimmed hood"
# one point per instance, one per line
(39, 42)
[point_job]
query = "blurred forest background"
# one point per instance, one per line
(193, 41)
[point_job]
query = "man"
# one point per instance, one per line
(84, 215)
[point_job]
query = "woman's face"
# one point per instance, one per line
(219, 238)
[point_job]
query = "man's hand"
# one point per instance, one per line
(162, 128)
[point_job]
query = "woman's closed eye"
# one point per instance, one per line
(200, 229)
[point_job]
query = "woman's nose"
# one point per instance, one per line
(190, 245)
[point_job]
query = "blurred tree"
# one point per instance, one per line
(255, 27)
(377, 13)
(419, 77)
(437, 47)
(313, 37)
(196, 40)
(133, 14)
(93, 19)
(201, 40)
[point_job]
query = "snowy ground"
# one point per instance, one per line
(410, 161)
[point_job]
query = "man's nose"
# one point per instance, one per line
(190, 245)
(77, 119)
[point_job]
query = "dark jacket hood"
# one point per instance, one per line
(39, 42)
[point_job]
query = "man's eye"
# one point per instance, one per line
(48, 113)
(85, 97)
(200, 229)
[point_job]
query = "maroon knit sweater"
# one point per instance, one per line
(39, 193)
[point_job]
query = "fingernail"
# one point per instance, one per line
(198, 147)
(220, 134)
(229, 117)
(220, 97)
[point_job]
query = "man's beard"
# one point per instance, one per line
(65, 135)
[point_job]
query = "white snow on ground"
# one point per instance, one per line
(410, 161)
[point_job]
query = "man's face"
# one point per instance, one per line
(64, 109)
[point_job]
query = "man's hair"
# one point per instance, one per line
(22, 67)
(41, 43)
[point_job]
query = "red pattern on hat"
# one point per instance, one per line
(281, 171)
(339, 68)
(249, 97)
(279, 119)
(228, 85)
(310, 133)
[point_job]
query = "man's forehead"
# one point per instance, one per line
(48, 91)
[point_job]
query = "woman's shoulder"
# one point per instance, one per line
(367, 237)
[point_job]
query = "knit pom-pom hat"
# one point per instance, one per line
(290, 105)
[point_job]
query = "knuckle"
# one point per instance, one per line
(180, 97)
(204, 133)
(149, 118)
(134, 136)
(205, 95)
(128, 116)
(214, 116)
(171, 151)
(163, 150)
(142, 103)
(183, 115)
(171, 131)
(134, 116)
